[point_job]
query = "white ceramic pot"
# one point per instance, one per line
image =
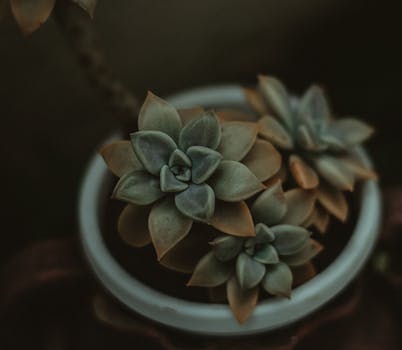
(213, 319)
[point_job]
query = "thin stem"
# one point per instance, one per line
(79, 30)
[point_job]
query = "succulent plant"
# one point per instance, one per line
(186, 166)
(319, 147)
(267, 259)
(30, 15)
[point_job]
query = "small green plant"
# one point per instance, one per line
(218, 181)
(318, 148)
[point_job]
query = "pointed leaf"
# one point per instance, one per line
(263, 160)
(351, 131)
(227, 247)
(270, 206)
(133, 225)
(138, 187)
(242, 302)
(277, 98)
(179, 158)
(300, 204)
(120, 158)
(184, 256)
(30, 15)
(249, 272)
(210, 272)
(310, 219)
(153, 149)
(314, 105)
(357, 168)
(233, 218)
(306, 139)
(233, 181)
(334, 201)
(87, 5)
(168, 181)
(321, 220)
(167, 226)
(274, 132)
(308, 252)
(278, 280)
(255, 100)
(158, 115)
(263, 234)
(335, 172)
(237, 139)
(304, 175)
(196, 202)
(205, 161)
(303, 273)
(289, 239)
(267, 255)
(203, 131)
(188, 114)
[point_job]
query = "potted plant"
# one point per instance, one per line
(234, 189)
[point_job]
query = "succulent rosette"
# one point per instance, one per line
(280, 249)
(318, 146)
(187, 166)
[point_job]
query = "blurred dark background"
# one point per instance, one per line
(52, 120)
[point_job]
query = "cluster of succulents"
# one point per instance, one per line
(219, 182)
(30, 15)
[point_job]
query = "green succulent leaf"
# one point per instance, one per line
(263, 160)
(266, 255)
(334, 201)
(270, 206)
(133, 225)
(309, 251)
(196, 202)
(335, 172)
(351, 131)
(210, 272)
(120, 158)
(263, 234)
(233, 181)
(304, 175)
(205, 161)
(242, 302)
(203, 131)
(249, 272)
(237, 139)
(168, 181)
(278, 280)
(153, 149)
(179, 158)
(233, 218)
(358, 169)
(289, 239)
(188, 114)
(184, 256)
(314, 105)
(167, 226)
(271, 130)
(184, 175)
(138, 187)
(306, 139)
(158, 115)
(277, 98)
(333, 143)
(227, 247)
(300, 204)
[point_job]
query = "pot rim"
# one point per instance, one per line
(217, 319)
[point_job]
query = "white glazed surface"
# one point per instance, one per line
(212, 319)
